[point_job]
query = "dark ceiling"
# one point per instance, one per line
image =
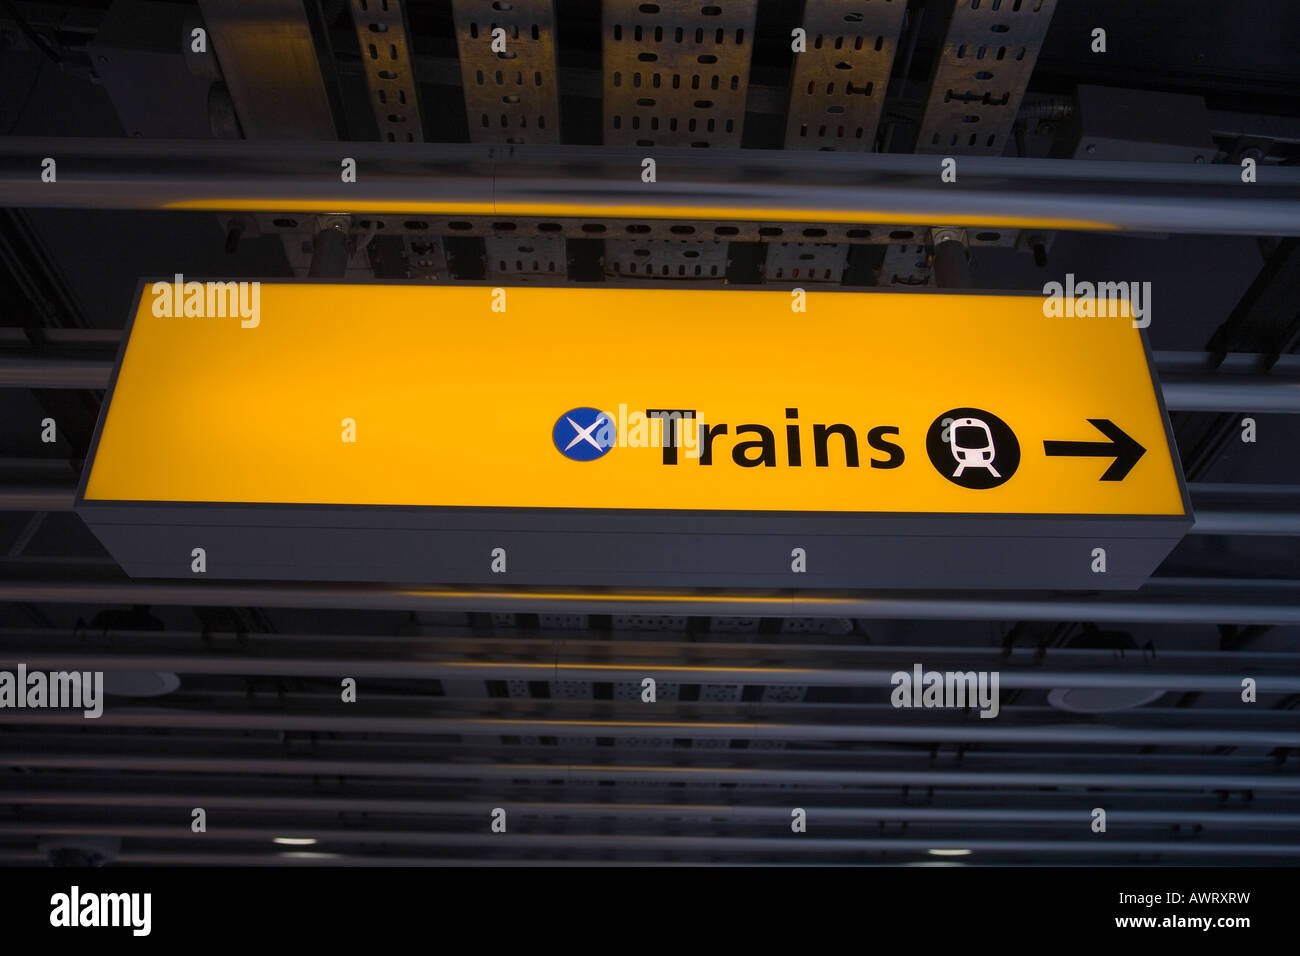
(520, 700)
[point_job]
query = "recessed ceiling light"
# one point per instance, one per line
(933, 863)
(949, 852)
(295, 841)
(1102, 700)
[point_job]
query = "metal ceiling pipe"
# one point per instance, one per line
(657, 842)
(677, 784)
(605, 182)
(976, 731)
(54, 373)
(37, 499)
(456, 643)
(731, 812)
(674, 645)
(298, 860)
(393, 752)
(1184, 361)
(286, 856)
(1221, 393)
(748, 776)
(1195, 603)
(411, 711)
(568, 667)
(1246, 523)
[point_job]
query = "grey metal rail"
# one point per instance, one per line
(605, 182)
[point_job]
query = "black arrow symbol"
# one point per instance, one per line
(1121, 447)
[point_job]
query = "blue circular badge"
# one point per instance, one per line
(584, 434)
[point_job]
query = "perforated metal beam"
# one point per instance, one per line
(837, 96)
(510, 91)
(390, 75)
(676, 74)
(837, 93)
(980, 77)
(676, 71)
(508, 72)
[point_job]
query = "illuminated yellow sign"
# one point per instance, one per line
(631, 398)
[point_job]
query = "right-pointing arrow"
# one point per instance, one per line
(1121, 447)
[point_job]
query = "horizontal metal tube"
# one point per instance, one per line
(1247, 523)
(1172, 363)
(673, 643)
(411, 713)
(748, 776)
(99, 340)
(397, 751)
(1220, 393)
(18, 856)
(322, 803)
(54, 373)
(1191, 605)
(395, 708)
(419, 667)
(656, 842)
(299, 860)
(37, 499)
(976, 731)
(605, 182)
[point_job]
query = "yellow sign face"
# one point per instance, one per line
(632, 398)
